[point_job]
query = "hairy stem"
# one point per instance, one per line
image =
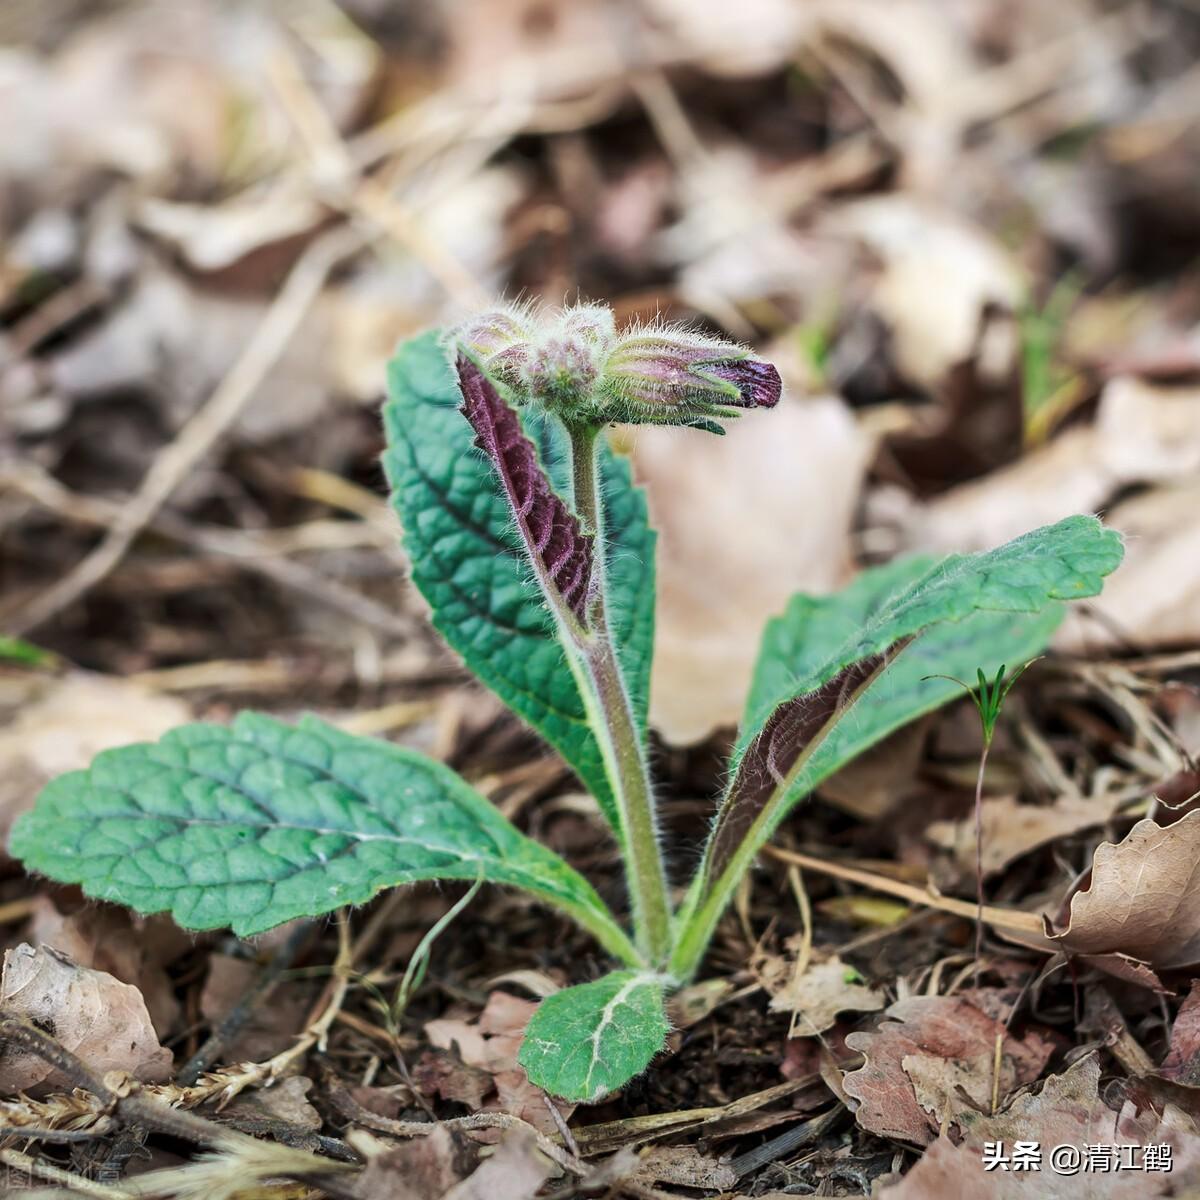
(616, 729)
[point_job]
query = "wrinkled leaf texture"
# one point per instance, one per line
(468, 561)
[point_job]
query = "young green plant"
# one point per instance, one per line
(988, 698)
(532, 546)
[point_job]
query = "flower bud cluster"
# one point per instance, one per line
(576, 365)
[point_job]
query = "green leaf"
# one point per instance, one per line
(1065, 561)
(588, 1040)
(809, 712)
(813, 623)
(468, 561)
(255, 824)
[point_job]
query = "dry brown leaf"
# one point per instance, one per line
(416, 1169)
(271, 1026)
(762, 35)
(547, 52)
(95, 1016)
(442, 1073)
(880, 779)
(684, 1166)
(134, 949)
(214, 236)
(1011, 829)
(928, 1051)
(65, 725)
(491, 1043)
(739, 534)
(1182, 1062)
(1044, 485)
(1143, 898)
(1067, 1111)
(1143, 434)
(515, 1171)
(1151, 597)
(820, 993)
(285, 1101)
(147, 90)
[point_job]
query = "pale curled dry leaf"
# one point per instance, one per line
(1011, 829)
(1067, 1111)
(1143, 898)
(101, 1020)
(134, 949)
(820, 992)
(736, 541)
(931, 1058)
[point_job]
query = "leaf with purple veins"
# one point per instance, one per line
(559, 549)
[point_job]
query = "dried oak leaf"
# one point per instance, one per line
(98, 1018)
(932, 1057)
(1067, 1111)
(1142, 902)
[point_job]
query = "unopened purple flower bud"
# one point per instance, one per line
(498, 340)
(675, 377)
(574, 365)
(756, 380)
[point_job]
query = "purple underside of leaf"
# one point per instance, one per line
(549, 529)
(796, 727)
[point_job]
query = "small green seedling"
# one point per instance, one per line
(989, 697)
(532, 546)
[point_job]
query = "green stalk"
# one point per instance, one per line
(607, 701)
